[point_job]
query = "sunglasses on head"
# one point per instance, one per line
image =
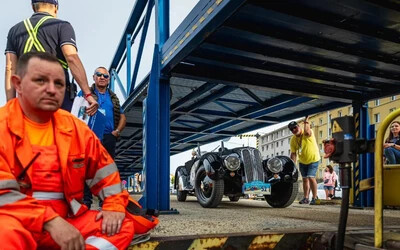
(98, 74)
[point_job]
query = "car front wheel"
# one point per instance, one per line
(282, 194)
(208, 192)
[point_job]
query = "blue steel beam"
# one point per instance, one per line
(192, 95)
(121, 86)
(128, 62)
(228, 116)
(255, 112)
(146, 19)
(157, 125)
(129, 29)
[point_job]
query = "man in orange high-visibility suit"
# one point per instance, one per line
(46, 155)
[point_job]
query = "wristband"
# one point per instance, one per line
(118, 132)
(87, 95)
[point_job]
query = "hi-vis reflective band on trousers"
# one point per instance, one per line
(11, 197)
(34, 41)
(48, 196)
(101, 174)
(100, 243)
(9, 184)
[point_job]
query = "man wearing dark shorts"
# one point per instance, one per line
(43, 32)
(304, 145)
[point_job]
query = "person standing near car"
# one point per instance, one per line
(43, 32)
(304, 147)
(330, 178)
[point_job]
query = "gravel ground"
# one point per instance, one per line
(256, 216)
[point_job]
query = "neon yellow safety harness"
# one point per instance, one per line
(34, 41)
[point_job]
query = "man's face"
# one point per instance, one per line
(42, 87)
(296, 130)
(101, 78)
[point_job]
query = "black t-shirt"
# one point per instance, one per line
(52, 34)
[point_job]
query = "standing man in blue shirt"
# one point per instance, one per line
(115, 119)
(109, 106)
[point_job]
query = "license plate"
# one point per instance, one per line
(257, 187)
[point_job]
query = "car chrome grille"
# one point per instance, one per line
(252, 164)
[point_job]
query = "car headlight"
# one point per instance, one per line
(275, 165)
(232, 162)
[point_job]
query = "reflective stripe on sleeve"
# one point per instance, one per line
(9, 184)
(110, 190)
(48, 196)
(75, 206)
(11, 197)
(103, 173)
(100, 243)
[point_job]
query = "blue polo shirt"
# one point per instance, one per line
(106, 107)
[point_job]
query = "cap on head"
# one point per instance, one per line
(292, 125)
(55, 2)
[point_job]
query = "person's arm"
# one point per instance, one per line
(307, 128)
(293, 156)
(121, 126)
(64, 234)
(79, 73)
(11, 64)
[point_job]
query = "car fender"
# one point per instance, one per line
(181, 178)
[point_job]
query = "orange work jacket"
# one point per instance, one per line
(82, 158)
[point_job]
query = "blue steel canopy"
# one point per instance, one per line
(237, 65)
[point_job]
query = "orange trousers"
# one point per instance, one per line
(14, 236)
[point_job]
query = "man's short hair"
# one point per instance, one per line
(100, 67)
(292, 125)
(25, 58)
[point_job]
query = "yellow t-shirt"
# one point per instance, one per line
(40, 134)
(306, 148)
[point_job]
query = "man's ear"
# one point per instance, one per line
(16, 82)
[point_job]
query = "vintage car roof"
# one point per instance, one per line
(238, 65)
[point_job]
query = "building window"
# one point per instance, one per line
(312, 125)
(282, 143)
(262, 140)
(277, 144)
(339, 113)
(377, 102)
(320, 146)
(329, 119)
(377, 117)
(329, 132)
(350, 110)
(272, 155)
(267, 146)
(393, 98)
(262, 148)
(288, 152)
(320, 134)
(392, 109)
(282, 153)
(320, 121)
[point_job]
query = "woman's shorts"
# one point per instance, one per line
(328, 188)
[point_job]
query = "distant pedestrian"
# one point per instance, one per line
(330, 179)
(43, 32)
(304, 146)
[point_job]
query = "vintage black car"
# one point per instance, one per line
(235, 173)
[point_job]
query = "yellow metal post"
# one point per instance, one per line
(378, 195)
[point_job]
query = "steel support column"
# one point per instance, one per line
(363, 168)
(157, 121)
